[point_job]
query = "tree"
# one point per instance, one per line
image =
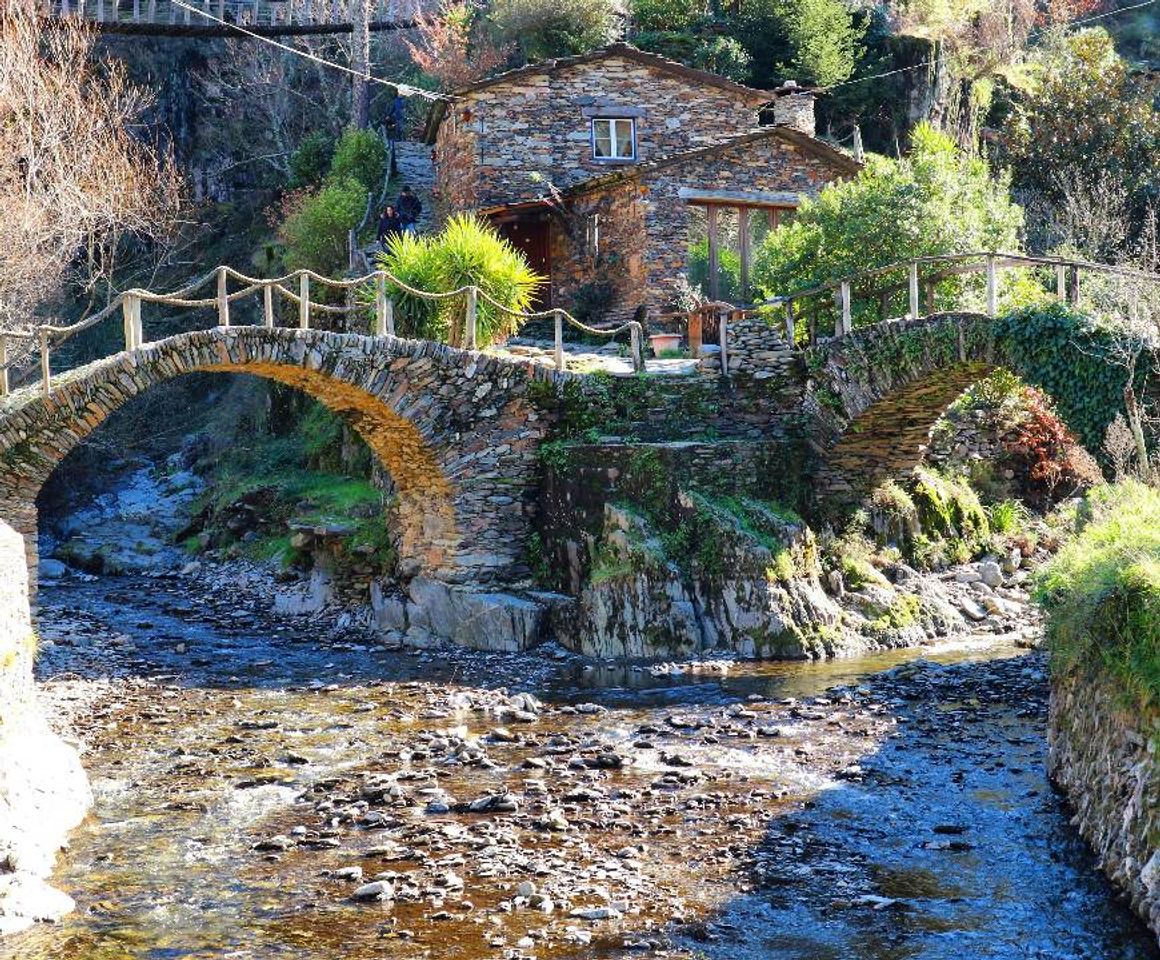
(814, 41)
(542, 29)
(825, 40)
(360, 155)
(1087, 119)
(937, 200)
(451, 49)
(74, 182)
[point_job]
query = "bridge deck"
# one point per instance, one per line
(203, 18)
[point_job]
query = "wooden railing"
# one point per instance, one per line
(252, 14)
(805, 311)
(297, 288)
(827, 310)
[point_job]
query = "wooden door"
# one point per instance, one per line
(531, 236)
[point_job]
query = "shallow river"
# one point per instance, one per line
(251, 776)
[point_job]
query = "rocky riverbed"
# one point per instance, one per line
(293, 789)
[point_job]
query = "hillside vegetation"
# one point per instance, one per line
(1101, 592)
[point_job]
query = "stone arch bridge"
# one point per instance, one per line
(455, 430)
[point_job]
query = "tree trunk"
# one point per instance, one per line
(1135, 425)
(360, 59)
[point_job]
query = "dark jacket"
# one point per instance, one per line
(388, 226)
(409, 208)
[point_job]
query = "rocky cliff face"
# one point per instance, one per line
(1103, 757)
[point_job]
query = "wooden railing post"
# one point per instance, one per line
(558, 347)
(131, 314)
(789, 323)
(635, 347)
(304, 300)
(1073, 286)
(223, 298)
(723, 337)
(1061, 281)
(471, 316)
(384, 309)
(696, 332)
(268, 305)
(3, 365)
(914, 290)
(847, 322)
(45, 365)
(992, 286)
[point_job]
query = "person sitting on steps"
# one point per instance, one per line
(410, 208)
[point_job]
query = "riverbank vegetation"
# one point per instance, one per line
(1101, 592)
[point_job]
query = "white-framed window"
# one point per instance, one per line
(613, 138)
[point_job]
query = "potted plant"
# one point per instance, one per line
(664, 342)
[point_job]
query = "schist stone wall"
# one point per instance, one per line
(645, 218)
(508, 141)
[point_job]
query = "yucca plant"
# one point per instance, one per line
(467, 252)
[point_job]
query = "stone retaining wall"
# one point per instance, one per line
(43, 789)
(1103, 757)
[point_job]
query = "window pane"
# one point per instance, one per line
(624, 138)
(601, 138)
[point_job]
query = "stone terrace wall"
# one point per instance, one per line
(576, 490)
(1104, 758)
(757, 349)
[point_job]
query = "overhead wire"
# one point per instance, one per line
(404, 89)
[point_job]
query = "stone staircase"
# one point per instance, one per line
(416, 170)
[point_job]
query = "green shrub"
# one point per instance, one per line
(949, 509)
(310, 162)
(937, 200)
(728, 270)
(466, 252)
(724, 56)
(360, 155)
(665, 14)
(1007, 517)
(316, 232)
(1101, 591)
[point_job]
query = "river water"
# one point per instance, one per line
(250, 776)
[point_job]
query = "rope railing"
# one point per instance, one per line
(1067, 287)
(45, 337)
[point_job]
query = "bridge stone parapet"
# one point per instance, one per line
(455, 430)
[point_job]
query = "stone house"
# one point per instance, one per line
(618, 172)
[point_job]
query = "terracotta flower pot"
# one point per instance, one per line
(664, 341)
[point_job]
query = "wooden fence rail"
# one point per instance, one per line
(827, 310)
(374, 287)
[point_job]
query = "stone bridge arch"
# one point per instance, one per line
(455, 430)
(875, 394)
